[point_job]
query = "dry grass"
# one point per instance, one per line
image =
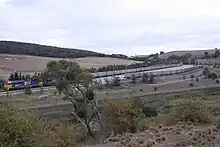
(181, 134)
(24, 63)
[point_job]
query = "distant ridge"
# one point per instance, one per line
(22, 48)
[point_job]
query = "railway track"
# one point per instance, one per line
(15, 92)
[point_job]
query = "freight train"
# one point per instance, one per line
(21, 84)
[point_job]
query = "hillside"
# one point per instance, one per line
(194, 53)
(26, 63)
(20, 48)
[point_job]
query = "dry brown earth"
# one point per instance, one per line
(24, 63)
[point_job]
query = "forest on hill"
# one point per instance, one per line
(21, 48)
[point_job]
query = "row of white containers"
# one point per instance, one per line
(135, 70)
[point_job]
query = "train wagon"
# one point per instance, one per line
(14, 85)
(20, 84)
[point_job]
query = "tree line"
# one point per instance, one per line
(119, 67)
(20, 48)
(42, 76)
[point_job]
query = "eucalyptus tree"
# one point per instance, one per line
(75, 84)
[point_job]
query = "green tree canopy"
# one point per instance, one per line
(76, 85)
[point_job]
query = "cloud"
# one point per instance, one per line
(113, 26)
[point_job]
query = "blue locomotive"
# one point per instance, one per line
(20, 84)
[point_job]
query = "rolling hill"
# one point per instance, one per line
(21, 48)
(194, 53)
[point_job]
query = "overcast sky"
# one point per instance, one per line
(113, 26)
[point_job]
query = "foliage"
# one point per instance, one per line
(21, 48)
(116, 81)
(192, 77)
(1, 83)
(145, 78)
(122, 116)
(28, 88)
(206, 54)
(214, 76)
(217, 81)
(18, 129)
(16, 76)
(133, 79)
(119, 67)
(217, 53)
(190, 109)
(179, 59)
(161, 52)
(206, 72)
(108, 83)
(149, 111)
(151, 78)
(76, 84)
(22, 129)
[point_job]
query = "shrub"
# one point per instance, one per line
(217, 81)
(1, 83)
(133, 79)
(191, 84)
(149, 111)
(184, 77)
(206, 72)
(116, 81)
(21, 129)
(192, 110)
(192, 77)
(145, 78)
(122, 116)
(214, 76)
(18, 129)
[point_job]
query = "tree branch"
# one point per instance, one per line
(80, 120)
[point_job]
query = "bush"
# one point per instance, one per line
(206, 72)
(145, 78)
(122, 116)
(192, 77)
(16, 129)
(149, 111)
(116, 81)
(192, 110)
(133, 79)
(21, 129)
(217, 81)
(191, 84)
(1, 83)
(214, 76)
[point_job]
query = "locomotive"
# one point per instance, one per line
(21, 84)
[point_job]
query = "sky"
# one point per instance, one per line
(131, 27)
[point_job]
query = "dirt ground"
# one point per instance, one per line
(24, 63)
(180, 135)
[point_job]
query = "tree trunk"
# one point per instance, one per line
(89, 129)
